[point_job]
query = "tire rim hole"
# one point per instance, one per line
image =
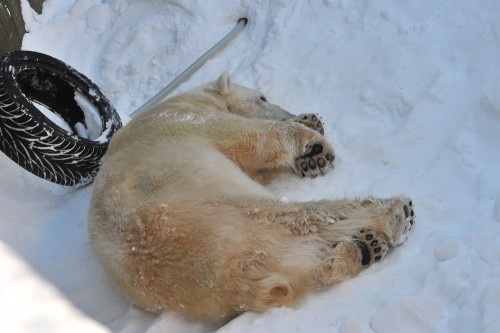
(61, 103)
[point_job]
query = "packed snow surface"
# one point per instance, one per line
(410, 95)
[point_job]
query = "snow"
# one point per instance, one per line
(52, 116)
(27, 293)
(410, 95)
(93, 128)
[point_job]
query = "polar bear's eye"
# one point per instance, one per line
(262, 98)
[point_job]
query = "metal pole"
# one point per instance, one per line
(242, 22)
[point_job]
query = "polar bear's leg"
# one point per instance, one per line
(342, 220)
(321, 243)
(264, 149)
(370, 226)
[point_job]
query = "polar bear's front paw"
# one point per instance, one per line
(316, 160)
(312, 121)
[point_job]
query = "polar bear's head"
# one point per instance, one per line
(248, 102)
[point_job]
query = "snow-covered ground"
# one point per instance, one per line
(410, 94)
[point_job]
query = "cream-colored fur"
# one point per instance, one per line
(180, 220)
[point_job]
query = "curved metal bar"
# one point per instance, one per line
(242, 22)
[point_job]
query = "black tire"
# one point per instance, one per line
(31, 139)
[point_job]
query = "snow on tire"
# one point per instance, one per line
(54, 121)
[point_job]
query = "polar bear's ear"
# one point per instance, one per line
(224, 83)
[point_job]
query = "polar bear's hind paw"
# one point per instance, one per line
(372, 244)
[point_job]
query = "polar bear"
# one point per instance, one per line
(181, 221)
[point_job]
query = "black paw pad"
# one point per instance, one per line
(409, 213)
(315, 150)
(365, 252)
(312, 164)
